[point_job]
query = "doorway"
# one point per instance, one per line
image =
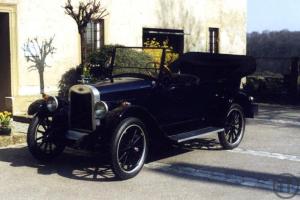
(5, 62)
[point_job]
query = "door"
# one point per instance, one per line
(180, 106)
(5, 63)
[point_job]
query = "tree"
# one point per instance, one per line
(274, 44)
(274, 50)
(87, 11)
(37, 53)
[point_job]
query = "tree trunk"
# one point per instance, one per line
(83, 47)
(41, 74)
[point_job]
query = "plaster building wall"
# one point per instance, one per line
(41, 19)
(124, 25)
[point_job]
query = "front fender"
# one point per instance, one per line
(121, 112)
(115, 116)
(37, 107)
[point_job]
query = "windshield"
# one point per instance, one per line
(145, 61)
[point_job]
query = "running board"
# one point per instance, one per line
(75, 135)
(183, 137)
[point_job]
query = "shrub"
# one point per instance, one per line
(102, 56)
(129, 59)
(171, 56)
(69, 79)
(267, 89)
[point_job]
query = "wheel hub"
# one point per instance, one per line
(136, 149)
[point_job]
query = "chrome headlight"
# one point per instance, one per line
(52, 103)
(101, 109)
(251, 98)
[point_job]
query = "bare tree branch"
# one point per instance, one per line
(36, 52)
(87, 11)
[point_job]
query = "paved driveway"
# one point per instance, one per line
(197, 170)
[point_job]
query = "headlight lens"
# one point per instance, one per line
(101, 109)
(251, 98)
(52, 103)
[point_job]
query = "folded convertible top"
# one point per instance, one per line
(215, 66)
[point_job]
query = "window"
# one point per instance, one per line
(165, 37)
(213, 40)
(94, 36)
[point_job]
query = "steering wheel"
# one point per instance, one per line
(167, 76)
(154, 67)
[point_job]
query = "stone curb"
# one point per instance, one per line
(13, 139)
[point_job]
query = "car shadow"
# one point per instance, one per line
(286, 185)
(72, 164)
(87, 166)
(203, 144)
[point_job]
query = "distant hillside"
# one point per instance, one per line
(277, 45)
(274, 44)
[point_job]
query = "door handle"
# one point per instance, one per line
(172, 88)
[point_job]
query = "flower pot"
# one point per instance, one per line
(5, 130)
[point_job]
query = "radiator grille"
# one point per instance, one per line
(81, 111)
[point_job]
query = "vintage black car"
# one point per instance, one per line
(150, 95)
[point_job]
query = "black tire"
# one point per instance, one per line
(234, 126)
(129, 148)
(41, 141)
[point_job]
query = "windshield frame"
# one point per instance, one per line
(162, 61)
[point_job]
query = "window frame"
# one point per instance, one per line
(214, 40)
(94, 36)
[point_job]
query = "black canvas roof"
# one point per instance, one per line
(215, 66)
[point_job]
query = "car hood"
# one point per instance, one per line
(125, 88)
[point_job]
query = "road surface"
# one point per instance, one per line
(196, 170)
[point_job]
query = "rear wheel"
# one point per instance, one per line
(129, 148)
(41, 139)
(233, 134)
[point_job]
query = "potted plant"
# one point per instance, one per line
(5, 119)
(86, 74)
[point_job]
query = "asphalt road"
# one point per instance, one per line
(196, 170)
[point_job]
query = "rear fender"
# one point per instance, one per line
(239, 98)
(244, 101)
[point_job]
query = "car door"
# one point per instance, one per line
(179, 102)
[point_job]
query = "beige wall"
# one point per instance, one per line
(41, 19)
(124, 24)
(45, 18)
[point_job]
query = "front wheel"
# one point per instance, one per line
(234, 128)
(129, 148)
(41, 140)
